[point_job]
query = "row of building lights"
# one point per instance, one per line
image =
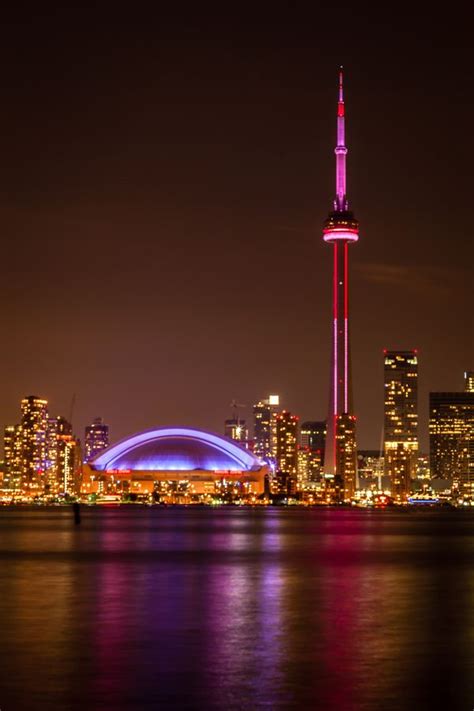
(296, 454)
(43, 456)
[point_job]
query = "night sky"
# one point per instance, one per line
(164, 181)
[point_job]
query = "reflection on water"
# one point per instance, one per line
(236, 609)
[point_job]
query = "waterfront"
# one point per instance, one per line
(236, 608)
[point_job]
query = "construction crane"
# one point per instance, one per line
(235, 410)
(71, 409)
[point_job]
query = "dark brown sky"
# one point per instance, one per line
(163, 181)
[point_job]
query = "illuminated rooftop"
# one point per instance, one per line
(175, 449)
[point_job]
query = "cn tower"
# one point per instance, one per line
(340, 230)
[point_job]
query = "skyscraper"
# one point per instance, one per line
(287, 450)
(97, 438)
(469, 381)
(313, 435)
(60, 448)
(452, 438)
(313, 439)
(51, 478)
(303, 477)
(69, 464)
(12, 441)
(346, 457)
(34, 423)
(340, 230)
(235, 428)
(400, 419)
(265, 412)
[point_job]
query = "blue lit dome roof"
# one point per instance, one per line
(176, 449)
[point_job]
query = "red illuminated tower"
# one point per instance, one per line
(340, 230)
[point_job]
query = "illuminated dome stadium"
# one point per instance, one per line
(145, 461)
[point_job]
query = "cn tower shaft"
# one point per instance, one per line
(341, 383)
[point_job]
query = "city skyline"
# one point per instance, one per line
(145, 171)
(44, 460)
(238, 448)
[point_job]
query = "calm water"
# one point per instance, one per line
(154, 608)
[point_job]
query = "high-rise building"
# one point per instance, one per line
(423, 467)
(41, 454)
(97, 438)
(303, 476)
(469, 381)
(235, 428)
(69, 464)
(12, 442)
(341, 229)
(309, 466)
(452, 438)
(287, 450)
(59, 434)
(8, 445)
(265, 412)
(51, 476)
(400, 419)
(34, 424)
(313, 435)
(312, 439)
(346, 456)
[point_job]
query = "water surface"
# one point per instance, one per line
(229, 608)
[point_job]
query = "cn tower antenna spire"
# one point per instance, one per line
(340, 203)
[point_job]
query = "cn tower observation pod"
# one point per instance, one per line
(341, 225)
